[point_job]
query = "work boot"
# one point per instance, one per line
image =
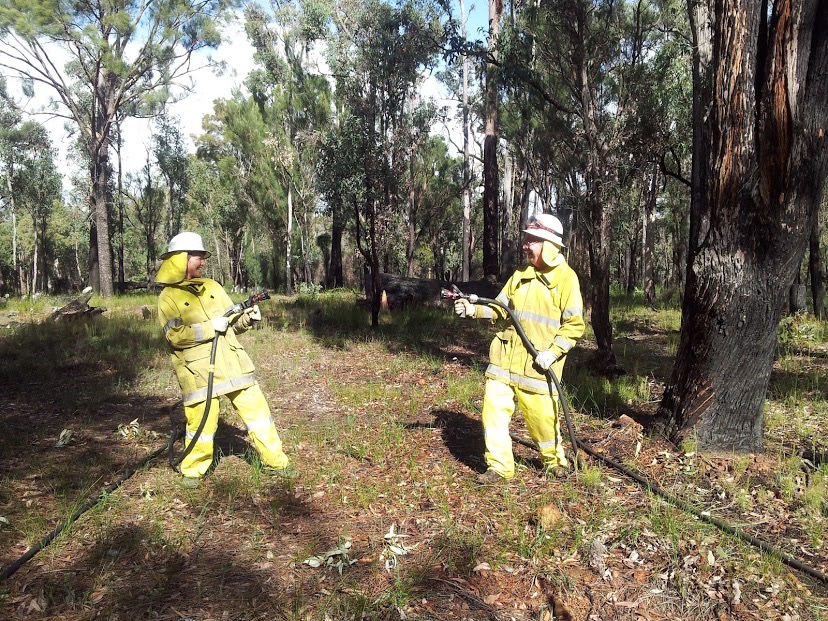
(490, 477)
(288, 473)
(190, 482)
(557, 472)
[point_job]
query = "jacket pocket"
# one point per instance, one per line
(195, 369)
(497, 350)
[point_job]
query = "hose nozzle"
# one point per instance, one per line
(455, 294)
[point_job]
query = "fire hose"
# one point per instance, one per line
(454, 294)
(175, 432)
(236, 309)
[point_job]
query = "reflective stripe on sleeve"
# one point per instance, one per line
(198, 332)
(172, 323)
(575, 311)
(562, 343)
(484, 312)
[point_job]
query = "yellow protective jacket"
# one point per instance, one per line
(185, 310)
(549, 306)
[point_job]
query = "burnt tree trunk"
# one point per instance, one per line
(334, 277)
(760, 106)
(796, 295)
(648, 246)
(491, 177)
(817, 273)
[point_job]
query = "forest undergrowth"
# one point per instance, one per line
(385, 520)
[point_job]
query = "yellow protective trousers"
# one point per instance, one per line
(252, 406)
(540, 411)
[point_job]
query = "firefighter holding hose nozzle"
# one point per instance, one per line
(200, 327)
(545, 297)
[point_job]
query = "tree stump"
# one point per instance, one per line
(77, 309)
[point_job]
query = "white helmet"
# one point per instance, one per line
(545, 226)
(186, 241)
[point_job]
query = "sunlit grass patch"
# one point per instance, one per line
(607, 398)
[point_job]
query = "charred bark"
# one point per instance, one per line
(491, 175)
(760, 109)
(817, 273)
(648, 246)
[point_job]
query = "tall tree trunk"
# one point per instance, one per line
(335, 278)
(510, 244)
(796, 295)
(491, 180)
(600, 173)
(288, 237)
(760, 108)
(35, 257)
(412, 218)
(466, 267)
(102, 284)
(94, 264)
(120, 203)
(648, 244)
(817, 273)
(599, 239)
(13, 210)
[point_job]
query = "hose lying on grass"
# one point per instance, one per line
(577, 443)
(130, 470)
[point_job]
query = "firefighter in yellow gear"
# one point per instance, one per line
(546, 298)
(191, 312)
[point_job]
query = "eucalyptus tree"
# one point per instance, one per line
(173, 165)
(100, 57)
(36, 186)
(295, 104)
(491, 172)
(31, 186)
(240, 159)
(41, 189)
(760, 109)
(212, 200)
(584, 61)
(147, 199)
(437, 195)
(10, 136)
(378, 54)
(462, 56)
(342, 187)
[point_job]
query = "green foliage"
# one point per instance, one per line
(801, 331)
(103, 80)
(30, 194)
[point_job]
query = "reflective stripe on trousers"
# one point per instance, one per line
(540, 411)
(252, 406)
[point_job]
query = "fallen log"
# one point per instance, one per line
(122, 286)
(401, 291)
(77, 309)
